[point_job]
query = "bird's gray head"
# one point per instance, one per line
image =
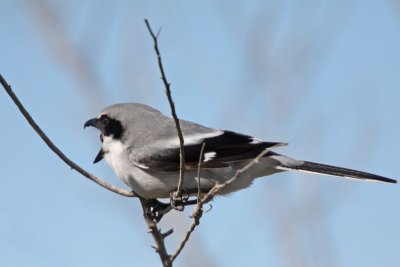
(121, 121)
(108, 122)
(114, 120)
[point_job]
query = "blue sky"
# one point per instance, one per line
(321, 75)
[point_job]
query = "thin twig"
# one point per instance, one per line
(218, 187)
(198, 211)
(199, 170)
(56, 150)
(157, 235)
(178, 191)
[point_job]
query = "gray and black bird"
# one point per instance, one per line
(142, 146)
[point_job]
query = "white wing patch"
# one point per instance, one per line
(197, 138)
(191, 139)
(255, 141)
(140, 165)
(209, 156)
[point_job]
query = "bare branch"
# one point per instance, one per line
(157, 235)
(178, 192)
(167, 233)
(56, 150)
(218, 187)
(198, 211)
(199, 170)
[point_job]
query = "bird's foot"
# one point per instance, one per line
(156, 209)
(179, 203)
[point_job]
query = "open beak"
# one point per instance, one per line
(99, 156)
(96, 123)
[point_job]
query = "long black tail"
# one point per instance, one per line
(336, 171)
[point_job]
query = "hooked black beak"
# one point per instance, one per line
(94, 123)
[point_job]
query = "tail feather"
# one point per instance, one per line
(313, 167)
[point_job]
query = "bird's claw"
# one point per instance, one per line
(155, 209)
(178, 202)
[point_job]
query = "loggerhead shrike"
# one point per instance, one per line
(142, 146)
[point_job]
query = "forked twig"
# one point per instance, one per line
(198, 210)
(157, 235)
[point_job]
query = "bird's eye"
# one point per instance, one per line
(105, 120)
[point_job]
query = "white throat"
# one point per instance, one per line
(116, 155)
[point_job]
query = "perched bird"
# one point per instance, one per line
(142, 146)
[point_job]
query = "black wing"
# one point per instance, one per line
(218, 152)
